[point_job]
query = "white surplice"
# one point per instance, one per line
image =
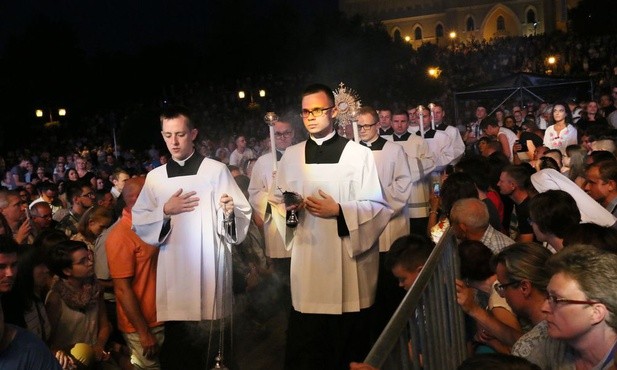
(395, 179)
(332, 274)
(194, 262)
(260, 186)
(421, 163)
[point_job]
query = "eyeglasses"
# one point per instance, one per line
(366, 127)
(501, 288)
(554, 301)
(43, 216)
(284, 134)
(85, 260)
(316, 112)
(89, 195)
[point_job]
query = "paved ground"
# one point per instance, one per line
(259, 325)
(261, 345)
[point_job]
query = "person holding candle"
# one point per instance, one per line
(438, 141)
(260, 188)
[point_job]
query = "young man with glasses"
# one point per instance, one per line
(48, 192)
(396, 179)
(81, 198)
(262, 179)
(334, 253)
(523, 277)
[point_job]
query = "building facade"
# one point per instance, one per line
(449, 21)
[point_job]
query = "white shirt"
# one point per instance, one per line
(561, 140)
(260, 187)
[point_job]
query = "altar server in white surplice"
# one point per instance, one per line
(334, 251)
(421, 162)
(395, 178)
(181, 209)
(261, 185)
(394, 175)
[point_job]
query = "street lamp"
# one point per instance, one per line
(252, 103)
(434, 72)
(452, 36)
(551, 62)
(61, 113)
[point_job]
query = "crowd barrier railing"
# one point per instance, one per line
(427, 330)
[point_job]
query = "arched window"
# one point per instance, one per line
(417, 33)
(397, 35)
(501, 23)
(531, 16)
(470, 24)
(439, 31)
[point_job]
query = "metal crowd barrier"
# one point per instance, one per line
(427, 331)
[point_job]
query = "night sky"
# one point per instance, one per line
(128, 25)
(96, 56)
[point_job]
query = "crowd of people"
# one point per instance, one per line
(112, 258)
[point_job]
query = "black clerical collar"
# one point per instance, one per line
(191, 165)
(376, 144)
(183, 161)
(403, 137)
(279, 154)
(428, 134)
(328, 152)
(388, 131)
(321, 140)
(442, 126)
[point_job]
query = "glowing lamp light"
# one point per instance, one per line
(241, 94)
(434, 72)
(552, 60)
(407, 38)
(39, 113)
(62, 112)
(452, 35)
(262, 93)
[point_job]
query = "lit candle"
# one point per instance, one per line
(431, 106)
(270, 118)
(420, 109)
(273, 147)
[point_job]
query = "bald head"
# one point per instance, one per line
(471, 212)
(131, 190)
